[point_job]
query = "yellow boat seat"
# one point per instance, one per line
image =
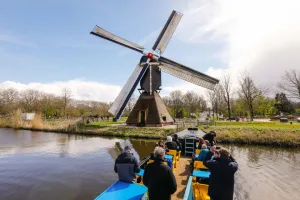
(178, 155)
(175, 157)
(200, 191)
(199, 165)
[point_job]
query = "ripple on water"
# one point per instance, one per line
(37, 165)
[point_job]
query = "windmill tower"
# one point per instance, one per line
(150, 109)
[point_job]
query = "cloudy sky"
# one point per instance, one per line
(47, 45)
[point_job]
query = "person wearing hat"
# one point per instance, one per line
(126, 166)
(222, 168)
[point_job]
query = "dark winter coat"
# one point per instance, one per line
(178, 144)
(210, 137)
(171, 145)
(221, 184)
(159, 180)
(126, 166)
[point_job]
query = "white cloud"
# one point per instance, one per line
(261, 37)
(81, 90)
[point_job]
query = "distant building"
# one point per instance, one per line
(27, 116)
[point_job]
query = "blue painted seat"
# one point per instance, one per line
(122, 190)
(201, 174)
(169, 159)
(141, 173)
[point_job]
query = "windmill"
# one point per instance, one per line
(150, 108)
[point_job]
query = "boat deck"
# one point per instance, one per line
(182, 173)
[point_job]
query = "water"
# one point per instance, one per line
(39, 165)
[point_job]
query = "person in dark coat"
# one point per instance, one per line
(210, 136)
(170, 144)
(210, 154)
(159, 178)
(223, 168)
(126, 166)
(175, 139)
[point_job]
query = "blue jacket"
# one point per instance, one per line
(221, 183)
(126, 166)
(202, 154)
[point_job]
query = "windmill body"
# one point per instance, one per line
(150, 109)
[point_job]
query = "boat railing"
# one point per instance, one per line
(188, 195)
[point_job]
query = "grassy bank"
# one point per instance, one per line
(257, 133)
(105, 128)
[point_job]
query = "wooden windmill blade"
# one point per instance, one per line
(100, 32)
(122, 99)
(187, 74)
(167, 32)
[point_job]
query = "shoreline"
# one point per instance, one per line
(123, 132)
(282, 138)
(262, 136)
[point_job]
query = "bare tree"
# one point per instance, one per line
(202, 105)
(8, 100)
(66, 97)
(227, 92)
(249, 92)
(218, 99)
(176, 101)
(31, 100)
(212, 99)
(190, 100)
(290, 83)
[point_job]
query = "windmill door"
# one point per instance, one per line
(142, 117)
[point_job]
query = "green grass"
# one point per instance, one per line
(261, 133)
(134, 132)
(106, 123)
(259, 124)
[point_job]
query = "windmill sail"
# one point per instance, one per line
(122, 99)
(167, 32)
(187, 73)
(100, 32)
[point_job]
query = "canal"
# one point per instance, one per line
(39, 165)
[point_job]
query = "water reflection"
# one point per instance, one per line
(38, 165)
(266, 173)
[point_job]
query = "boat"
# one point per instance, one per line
(196, 188)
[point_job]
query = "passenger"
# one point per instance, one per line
(170, 144)
(210, 136)
(175, 139)
(161, 144)
(159, 178)
(210, 154)
(204, 151)
(216, 154)
(221, 184)
(126, 166)
(201, 141)
(207, 144)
